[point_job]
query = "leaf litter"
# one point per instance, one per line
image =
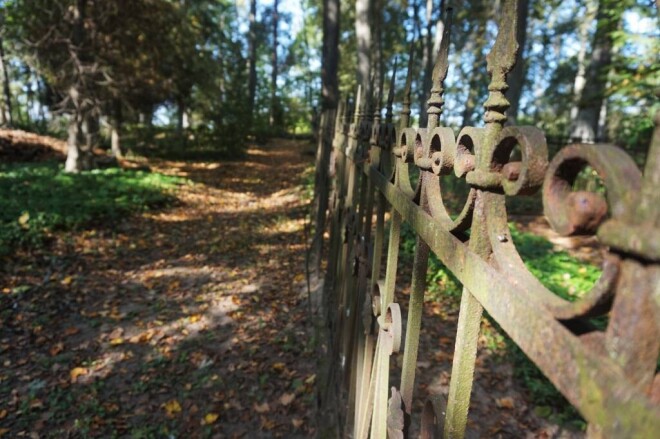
(182, 322)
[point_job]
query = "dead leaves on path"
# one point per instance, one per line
(178, 322)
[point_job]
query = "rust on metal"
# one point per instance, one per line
(608, 375)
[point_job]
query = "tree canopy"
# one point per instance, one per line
(219, 72)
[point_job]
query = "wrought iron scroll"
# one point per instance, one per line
(608, 375)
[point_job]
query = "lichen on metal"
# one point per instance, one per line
(608, 375)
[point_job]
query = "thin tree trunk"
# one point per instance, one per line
(73, 153)
(431, 46)
(146, 116)
(90, 131)
(363, 35)
(252, 60)
(40, 95)
(516, 78)
(273, 75)
(182, 119)
(115, 135)
(578, 84)
(377, 45)
(5, 112)
(601, 132)
(29, 95)
(585, 125)
(477, 68)
(329, 103)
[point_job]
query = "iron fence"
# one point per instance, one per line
(608, 375)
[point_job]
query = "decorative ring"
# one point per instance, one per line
(578, 212)
(523, 177)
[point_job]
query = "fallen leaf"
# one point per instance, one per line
(310, 379)
(287, 398)
(446, 341)
(23, 219)
(262, 408)
(3, 414)
(172, 407)
(210, 418)
(144, 337)
(3, 431)
(279, 366)
(111, 407)
(116, 341)
(67, 280)
(71, 331)
(297, 423)
(76, 372)
(56, 349)
(267, 424)
(116, 333)
(505, 403)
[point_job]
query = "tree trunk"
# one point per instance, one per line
(516, 78)
(377, 62)
(40, 94)
(273, 75)
(80, 142)
(330, 61)
(5, 112)
(252, 60)
(90, 131)
(363, 35)
(431, 46)
(78, 149)
(578, 84)
(73, 153)
(29, 94)
(330, 102)
(145, 117)
(477, 68)
(182, 119)
(584, 127)
(115, 135)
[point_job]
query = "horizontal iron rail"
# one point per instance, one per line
(593, 383)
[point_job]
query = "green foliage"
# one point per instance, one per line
(564, 275)
(37, 199)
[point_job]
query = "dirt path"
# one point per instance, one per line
(188, 322)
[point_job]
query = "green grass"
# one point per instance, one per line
(561, 273)
(37, 199)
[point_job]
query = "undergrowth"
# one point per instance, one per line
(190, 145)
(37, 199)
(561, 273)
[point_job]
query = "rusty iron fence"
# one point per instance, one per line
(608, 375)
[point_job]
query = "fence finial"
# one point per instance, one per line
(436, 100)
(501, 60)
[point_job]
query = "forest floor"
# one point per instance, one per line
(186, 322)
(193, 320)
